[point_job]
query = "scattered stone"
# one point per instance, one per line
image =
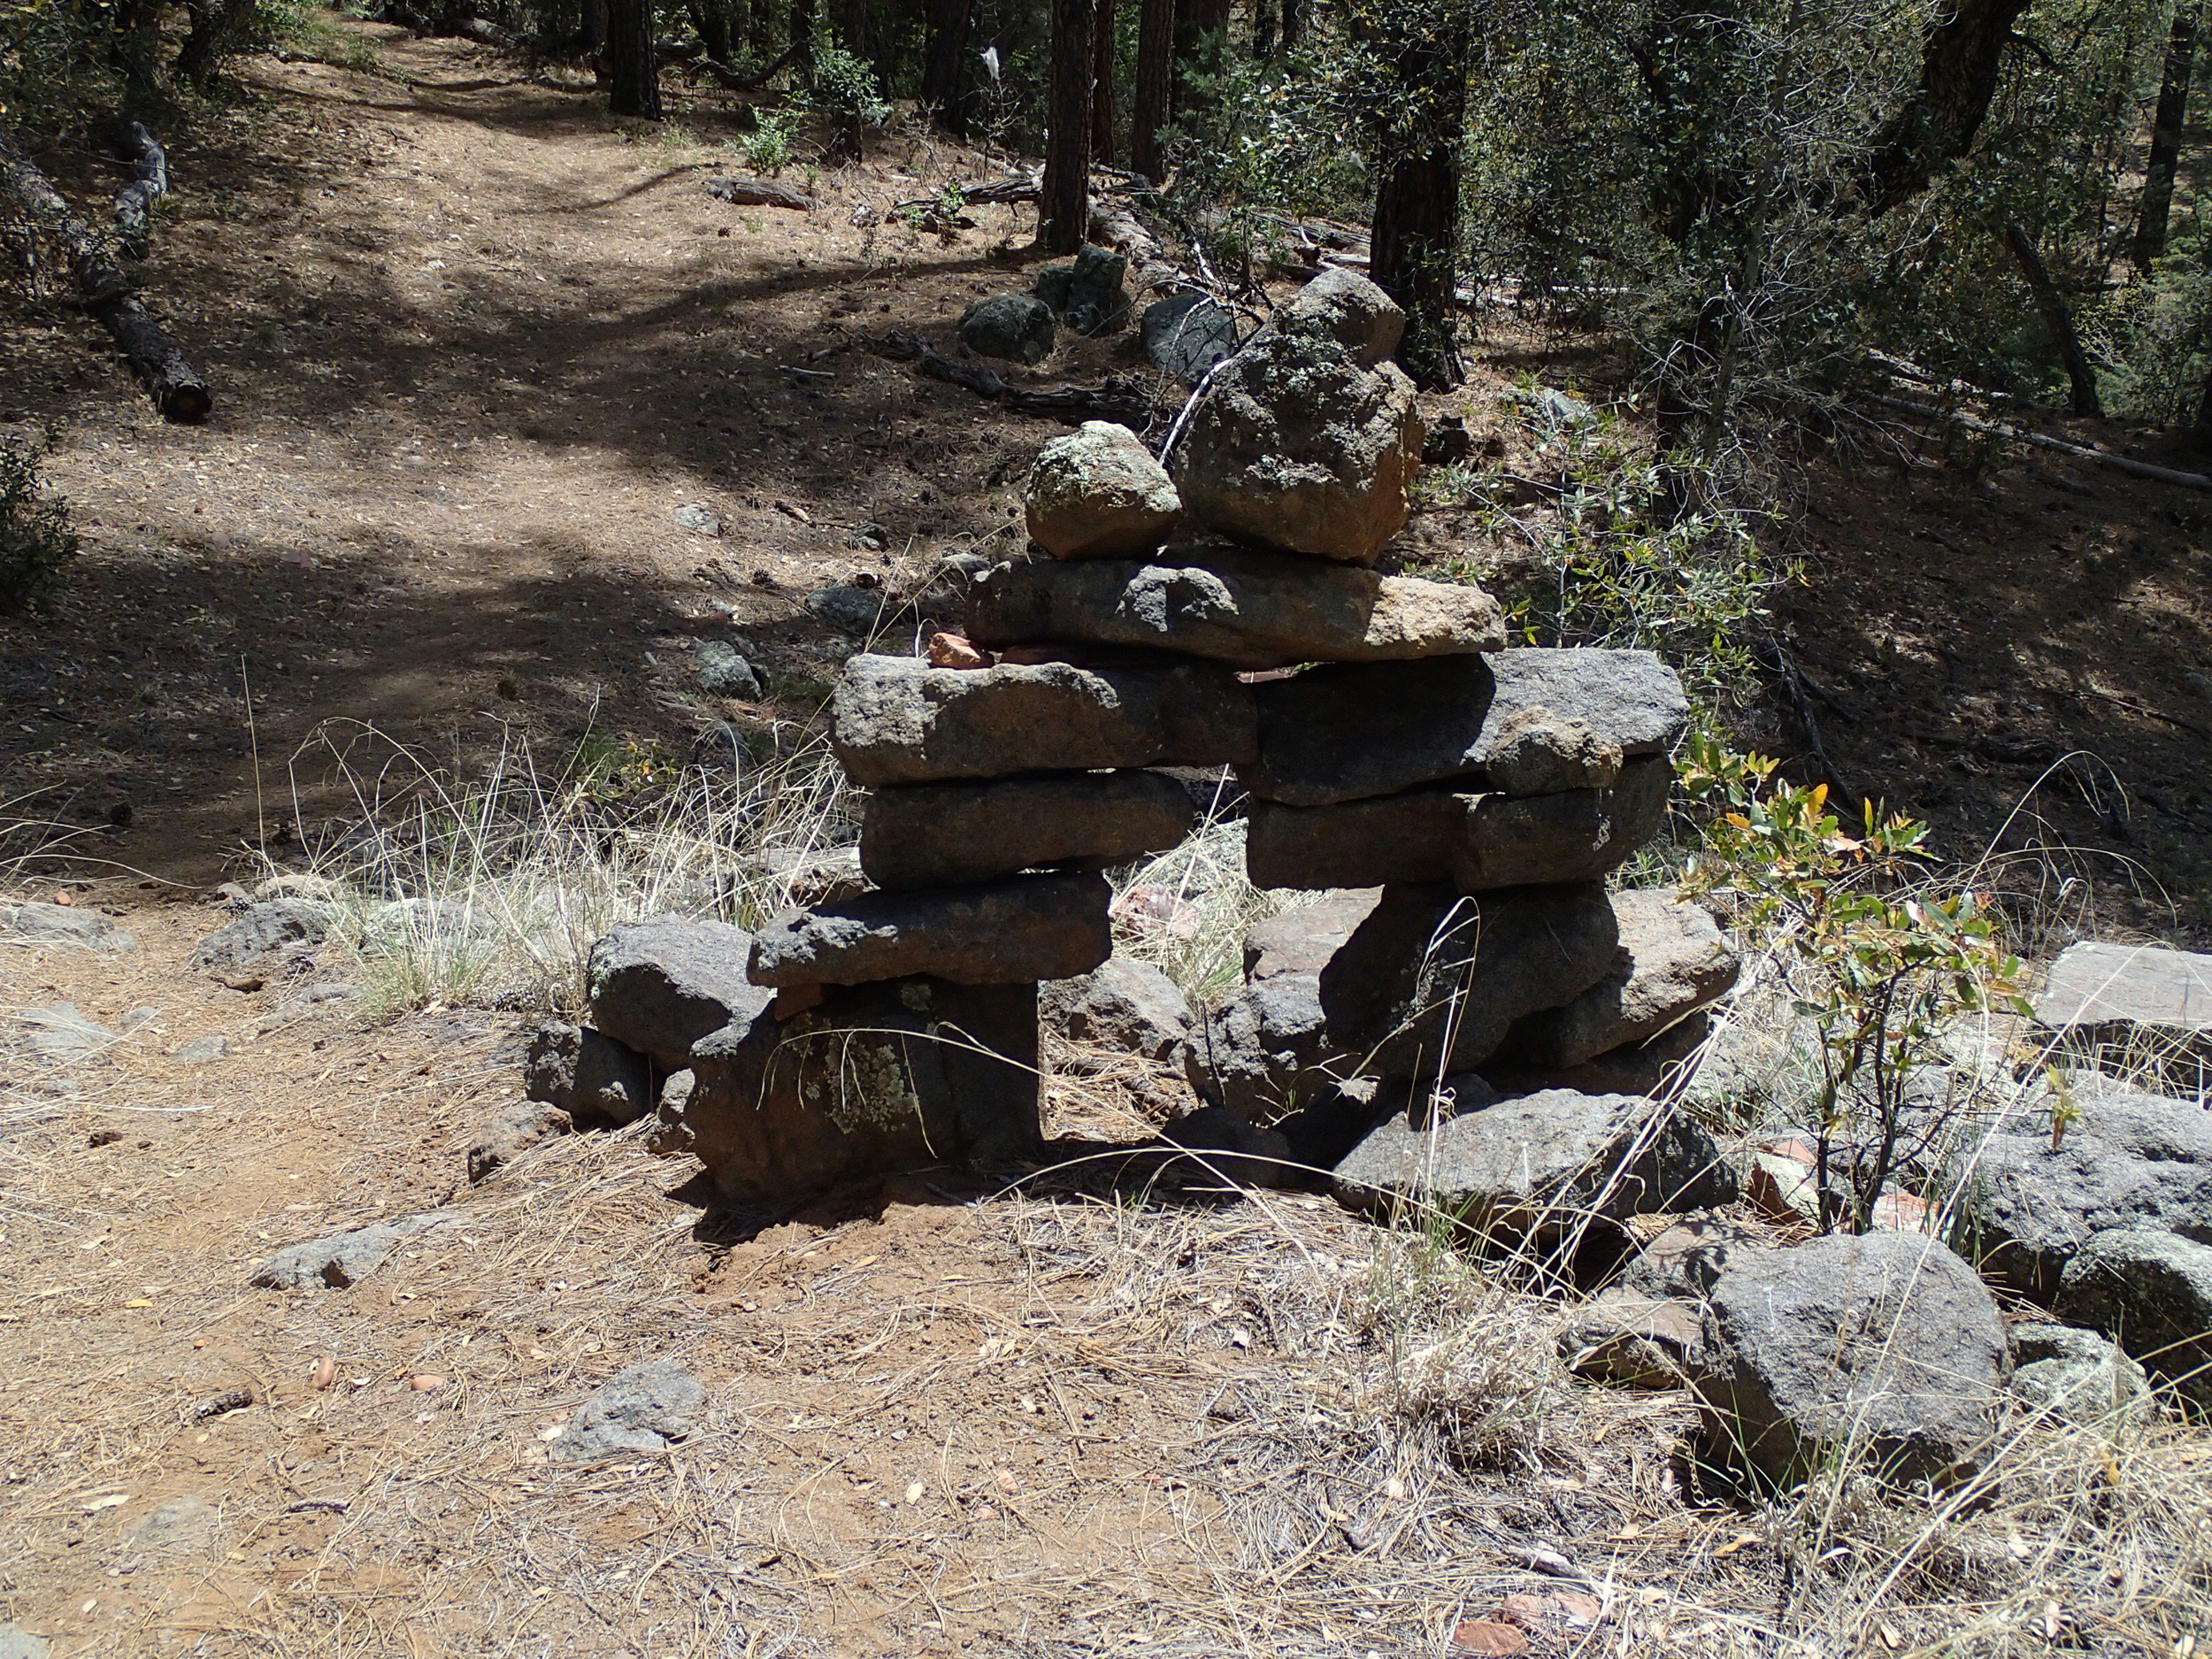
(1888, 1343)
(587, 1074)
(201, 1051)
(2151, 1292)
(696, 515)
(1682, 1263)
(1302, 940)
(1783, 1184)
(1538, 752)
(1186, 334)
(145, 1017)
(60, 1036)
(1130, 1007)
(181, 1526)
(859, 611)
(999, 933)
(954, 650)
(1266, 1052)
(1540, 1167)
(272, 926)
(502, 1139)
(343, 1259)
(944, 835)
(641, 1411)
(2128, 1003)
(896, 1075)
(1013, 327)
(1347, 732)
(1086, 292)
(1232, 1151)
(63, 925)
(724, 671)
(18, 1643)
(1098, 493)
(897, 720)
(1250, 609)
(1551, 410)
(2077, 1376)
(1621, 1336)
(659, 985)
(1672, 960)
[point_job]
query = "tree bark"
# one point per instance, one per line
(2057, 318)
(591, 29)
(765, 41)
(2173, 109)
(1064, 206)
(947, 24)
(1293, 24)
(1414, 250)
(803, 33)
(1959, 62)
(1263, 29)
(1103, 84)
(1155, 79)
(713, 22)
(213, 27)
(634, 84)
(149, 163)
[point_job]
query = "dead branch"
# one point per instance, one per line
(749, 192)
(735, 82)
(149, 163)
(1112, 399)
(1999, 429)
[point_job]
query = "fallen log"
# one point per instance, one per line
(175, 386)
(2020, 434)
(484, 31)
(735, 82)
(1116, 399)
(749, 192)
(142, 154)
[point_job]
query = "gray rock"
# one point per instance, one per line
(897, 720)
(1886, 1344)
(998, 932)
(1303, 939)
(273, 926)
(1622, 1336)
(181, 1526)
(343, 1259)
(2132, 1160)
(18, 1643)
(641, 1411)
(724, 671)
(1347, 308)
(60, 1036)
(63, 925)
(1294, 445)
(1672, 960)
(587, 1074)
(1185, 335)
(1683, 1262)
(945, 834)
(808, 875)
(1431, 982)
(201, 1051)
(1478, 842)
(1347, 732)
(1231, 1150)
(2077, 1376)
(1086, 291)
(1540, 1167)
(1250, 609)
(897, 1075)
(1099, 494)
(2151, 1292)
(500, 1140)
(1653, 1067)
(659, 985)
(1551, 410)
(1013, 327)
(1130, 1007)
(145, 1017)
(1266, 1052)
(2129, 1003)
(696, 515)
(1538, 752)
(859, 611)
(675, 1095)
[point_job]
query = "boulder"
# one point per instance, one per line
(1345, 308)
(1672, 960)
(500, 1140)
(1086, 292)
(896, 1075)
(276, 925)
(1431, 981)
(1347, 731)
(947, 834)
(1230, 1149)
(62, 924)
(1540, 1167)
(59, 1035)
(1295, 444)
(1185, 335)
(2077, 1376)
(1886, 1348)
(1303, 939)
(859, 611)
(1249, 608)
(898, 720)
(1536, 751)
(1682, 1263)
(1622, 1336)
(343, 1259)
(587, 1074)
(2131, 1004)
(724, 671)
(1098, 493)
(1013, 327)
(997, 933)
(1266, 1052)
(2151, 1292)
(659, 985)
(639, 1411)
(1476, 843)
(1130, 1007)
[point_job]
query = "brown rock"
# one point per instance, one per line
(1099, 494)
(1538, 752)
(949, 650)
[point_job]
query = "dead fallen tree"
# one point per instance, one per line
(2020, 434)
(142, 152)
(735, 82)
(743, 191)
(1114, 398)
(175, 386)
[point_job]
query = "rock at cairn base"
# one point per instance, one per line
(897, 720)
(897, 1075)
(1249, 610)
(948, 834)
(1086, 292)
(1350, 731)
(1099, 494)
(1128, 1006)
(999, 933)
(2151, 1292)
(1534, 752)
(659, 985)
(2132, 1003)
(1672, 960)
(587, 1074)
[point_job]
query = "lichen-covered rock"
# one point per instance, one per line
(1099, 494)
(639, 1411)
(1347, 308)
(275, 926)
(2151, 1292)
(63, 925)
(1014, 327)
(1086, 291)
(945, 834)
(1185, 335)
(343, 1259)
(1266, 1052)
(2078, 1377)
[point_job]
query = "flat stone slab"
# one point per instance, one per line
(1478, 842)
(1249, 610)
(952, 834)
(2129, 1004)
(62, 924)
(1352, 731)
(998, 932)
(660, 985)
(1672, 960)
(899, 721)
(1303, 939)
(60, 1036)
(343, 1259)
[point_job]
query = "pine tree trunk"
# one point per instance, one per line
(713, 25)
(765, 39)
(2173, 109)
(1293, 24)
(591, 30)
(1414, 250)
(802, 32)
(1263, 29)
(1959, 61)
(633, 86)
(1103, 84)
(1064, 203)
(2057, 318)
(945, 62)
(1155, 78)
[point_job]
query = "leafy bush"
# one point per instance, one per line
(846, 96)
(767, 148)
(35, 540)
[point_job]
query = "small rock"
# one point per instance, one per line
(1621, 1336)
(642, 1410)
(1535, 751)
(181, 1526)
(201, 1051)
(1552, 411)
(1130, 1007)
(505, 1138)
(724, 671)
(343, 1259)
(1302, 940)
(950, 650)
(659, 985)
(1099, 494)
(1013, 327)
(698, 516)
(268, 927)
(587, 1074)
(859, 611)
(999, 932)
(1085, 291)
(2151, 1292)
(63, 925)
(60, 1036)
(1185, 335)
(1233, 1150)
(145, 1017)
(18, 1643)
(2078, 1377)
(940, 834)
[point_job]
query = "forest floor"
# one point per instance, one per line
(473, 344)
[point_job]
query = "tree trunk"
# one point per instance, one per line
(1263, 29)
(713, 22)
(213, 27)
(945, 62)
(1959, 62)
(2201, 433)
(1293, 24)
(634, 85)
(849, 19)
(142, 154)
(1156, 74)
(2173, 109)
(1064, 204)
(803, 33)
(1194, 21)
(2057, 318)
(1414, 252)
(766, 41)
(1102, 44)
(591, 28)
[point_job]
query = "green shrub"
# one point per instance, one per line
(36, 539)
